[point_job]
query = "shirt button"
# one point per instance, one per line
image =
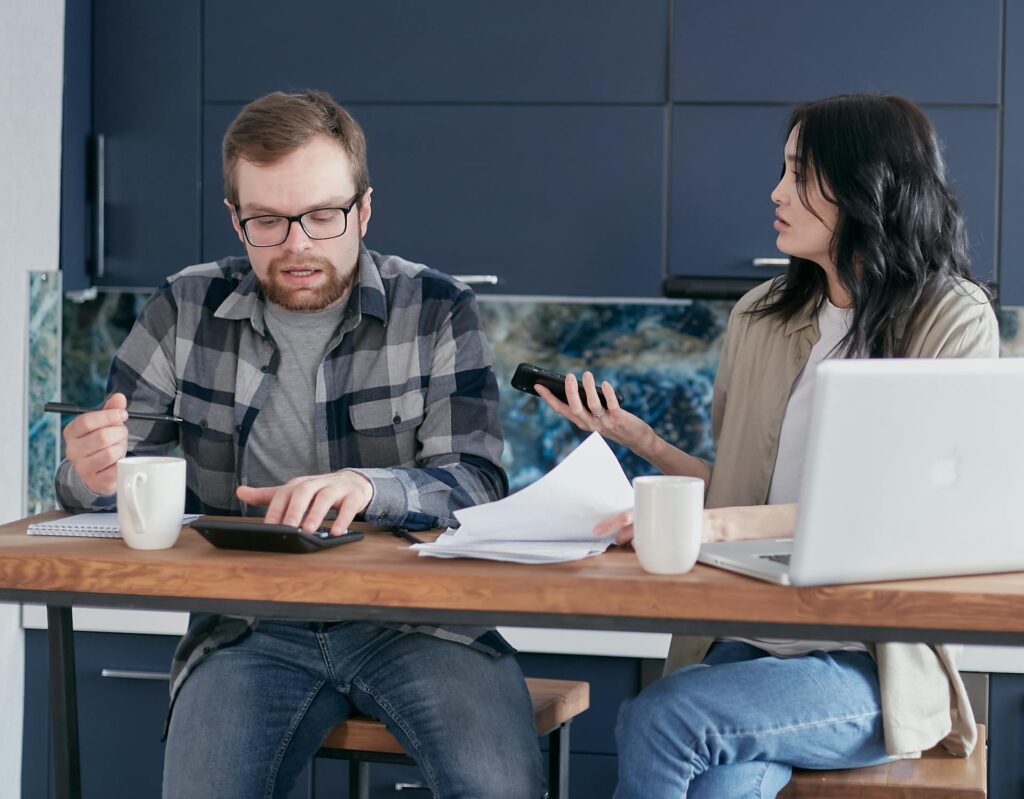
(203, 424)
(265, 368)
(238, 428)
(397, 419)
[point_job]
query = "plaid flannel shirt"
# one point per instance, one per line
(405, 396)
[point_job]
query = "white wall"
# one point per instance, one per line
(31, 86)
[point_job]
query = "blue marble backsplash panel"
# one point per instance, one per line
(43, 375)
(660, 355)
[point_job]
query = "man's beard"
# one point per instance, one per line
(317, 298)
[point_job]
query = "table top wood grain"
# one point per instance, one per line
(381, 578)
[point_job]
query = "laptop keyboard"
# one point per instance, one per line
(783, 559)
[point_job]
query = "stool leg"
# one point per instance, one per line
(358, 779)
(558, 763)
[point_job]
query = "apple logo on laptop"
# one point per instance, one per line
(946, 471)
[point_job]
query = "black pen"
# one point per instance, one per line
(63, 407)
(401, 532)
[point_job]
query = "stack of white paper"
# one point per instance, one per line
(550, 520)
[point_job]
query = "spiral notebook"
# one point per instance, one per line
(88, 525)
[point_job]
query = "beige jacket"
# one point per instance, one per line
(923, 697)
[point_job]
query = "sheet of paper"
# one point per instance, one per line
(564, 505)
(549, 521)
(515, 551)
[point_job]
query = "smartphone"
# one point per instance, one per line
(527, 375)
(253, 534)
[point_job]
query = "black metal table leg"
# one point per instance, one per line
(64, 702)
(558, 763)
(358, 779)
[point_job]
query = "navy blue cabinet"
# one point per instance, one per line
(1012, 151)
(726, 159)
(747, 51)
(120, 714)
(551, 199)
(130, 212)
(122, 704)
(582, 148)
(1006, 736)
(430, 51)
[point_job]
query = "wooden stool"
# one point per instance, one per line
(937, 775)
(556, 703)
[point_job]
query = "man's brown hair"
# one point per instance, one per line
(278, 124)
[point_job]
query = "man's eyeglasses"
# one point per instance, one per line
(270, 230)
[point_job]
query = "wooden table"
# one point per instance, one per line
(380, 579)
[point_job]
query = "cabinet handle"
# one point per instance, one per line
(771, 262)
(478, 280)
(99, 267)
(127, 674)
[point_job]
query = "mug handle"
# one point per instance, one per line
(131, 500)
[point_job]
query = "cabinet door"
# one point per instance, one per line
(932, 51)
(120, 718)
(1006, 736)
(36, 753)
(590, 776)
(726, 159)
(428, 51)
(146, 107)
(1011, 262)
(562, 200)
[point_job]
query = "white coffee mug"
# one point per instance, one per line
(150, 501)
(668, 515)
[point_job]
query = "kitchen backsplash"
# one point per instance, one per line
(661, 356)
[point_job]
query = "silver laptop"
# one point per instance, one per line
(915, 468)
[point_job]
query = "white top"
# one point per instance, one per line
(833, 323)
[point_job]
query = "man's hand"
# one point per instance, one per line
(304, 501)
(96, 441)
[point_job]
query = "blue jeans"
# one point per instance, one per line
(735, 725)
(252, 714)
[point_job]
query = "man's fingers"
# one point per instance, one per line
(117, 400)
(84, 424)
(325, 499)
(347, 510)
(301, 498)
(103, 481)
(257, 496)
(97, 441)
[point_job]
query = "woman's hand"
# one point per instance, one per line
(621, 524)
(752, 521)
(719, 524)
(614, 423)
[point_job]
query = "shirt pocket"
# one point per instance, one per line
(387, 417)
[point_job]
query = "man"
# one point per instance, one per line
(316, 375)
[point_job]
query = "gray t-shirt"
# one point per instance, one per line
(282, 444)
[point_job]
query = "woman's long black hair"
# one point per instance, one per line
(900, 237)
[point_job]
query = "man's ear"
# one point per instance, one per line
(364, 212)
(234, 219)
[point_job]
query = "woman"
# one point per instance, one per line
(879, 268)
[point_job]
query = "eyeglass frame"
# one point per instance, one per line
(345, 209)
